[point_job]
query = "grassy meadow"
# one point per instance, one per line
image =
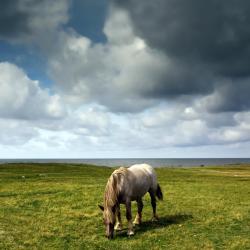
(55, 206)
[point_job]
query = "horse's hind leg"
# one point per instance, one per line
(153, 203)
(137, 220)
(129, 218)
(118, 225)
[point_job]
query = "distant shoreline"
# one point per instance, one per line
(156, 162)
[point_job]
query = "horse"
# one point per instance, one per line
(126, 185)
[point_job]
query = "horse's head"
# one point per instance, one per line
(109, 220)
(110, 205)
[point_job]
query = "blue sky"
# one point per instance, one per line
(92, 14)
(99, 78)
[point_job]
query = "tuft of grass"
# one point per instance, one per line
(54, 206)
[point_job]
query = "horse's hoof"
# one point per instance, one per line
(155, 218)
(118, 227)
(131, 233)
(136, 222)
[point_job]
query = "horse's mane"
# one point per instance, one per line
(112, 190)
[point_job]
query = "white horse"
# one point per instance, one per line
(126, 185)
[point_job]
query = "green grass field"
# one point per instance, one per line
(55, 206)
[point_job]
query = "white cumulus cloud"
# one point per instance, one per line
(22, 98)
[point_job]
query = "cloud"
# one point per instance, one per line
(185, 103)
(131, 73)
(22, 98)
(206, 43)
(157, 84)
(229, 97)
(211, 32)
(12, 21)
(171, 61)
(124, 74)
(31, 20)
(187, 126)
(114, 74)
(16, 132)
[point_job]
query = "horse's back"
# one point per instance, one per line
(142, 169)
(144, 178)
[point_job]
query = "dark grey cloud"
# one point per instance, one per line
(13, 21)
(212, 36)
(179, 80)
(211, 32)
(230, 96)
(24, 20)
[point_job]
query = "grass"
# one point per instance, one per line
(54, 206)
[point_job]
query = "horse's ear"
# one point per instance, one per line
(101, 207)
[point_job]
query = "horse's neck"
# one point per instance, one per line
(111, 192)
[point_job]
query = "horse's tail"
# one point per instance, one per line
(159, 192)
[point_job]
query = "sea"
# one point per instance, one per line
(155, 162)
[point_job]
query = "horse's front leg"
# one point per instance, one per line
(129, 218)
(138, 217)
(118, 225)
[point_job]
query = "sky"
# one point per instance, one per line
(116, 78)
